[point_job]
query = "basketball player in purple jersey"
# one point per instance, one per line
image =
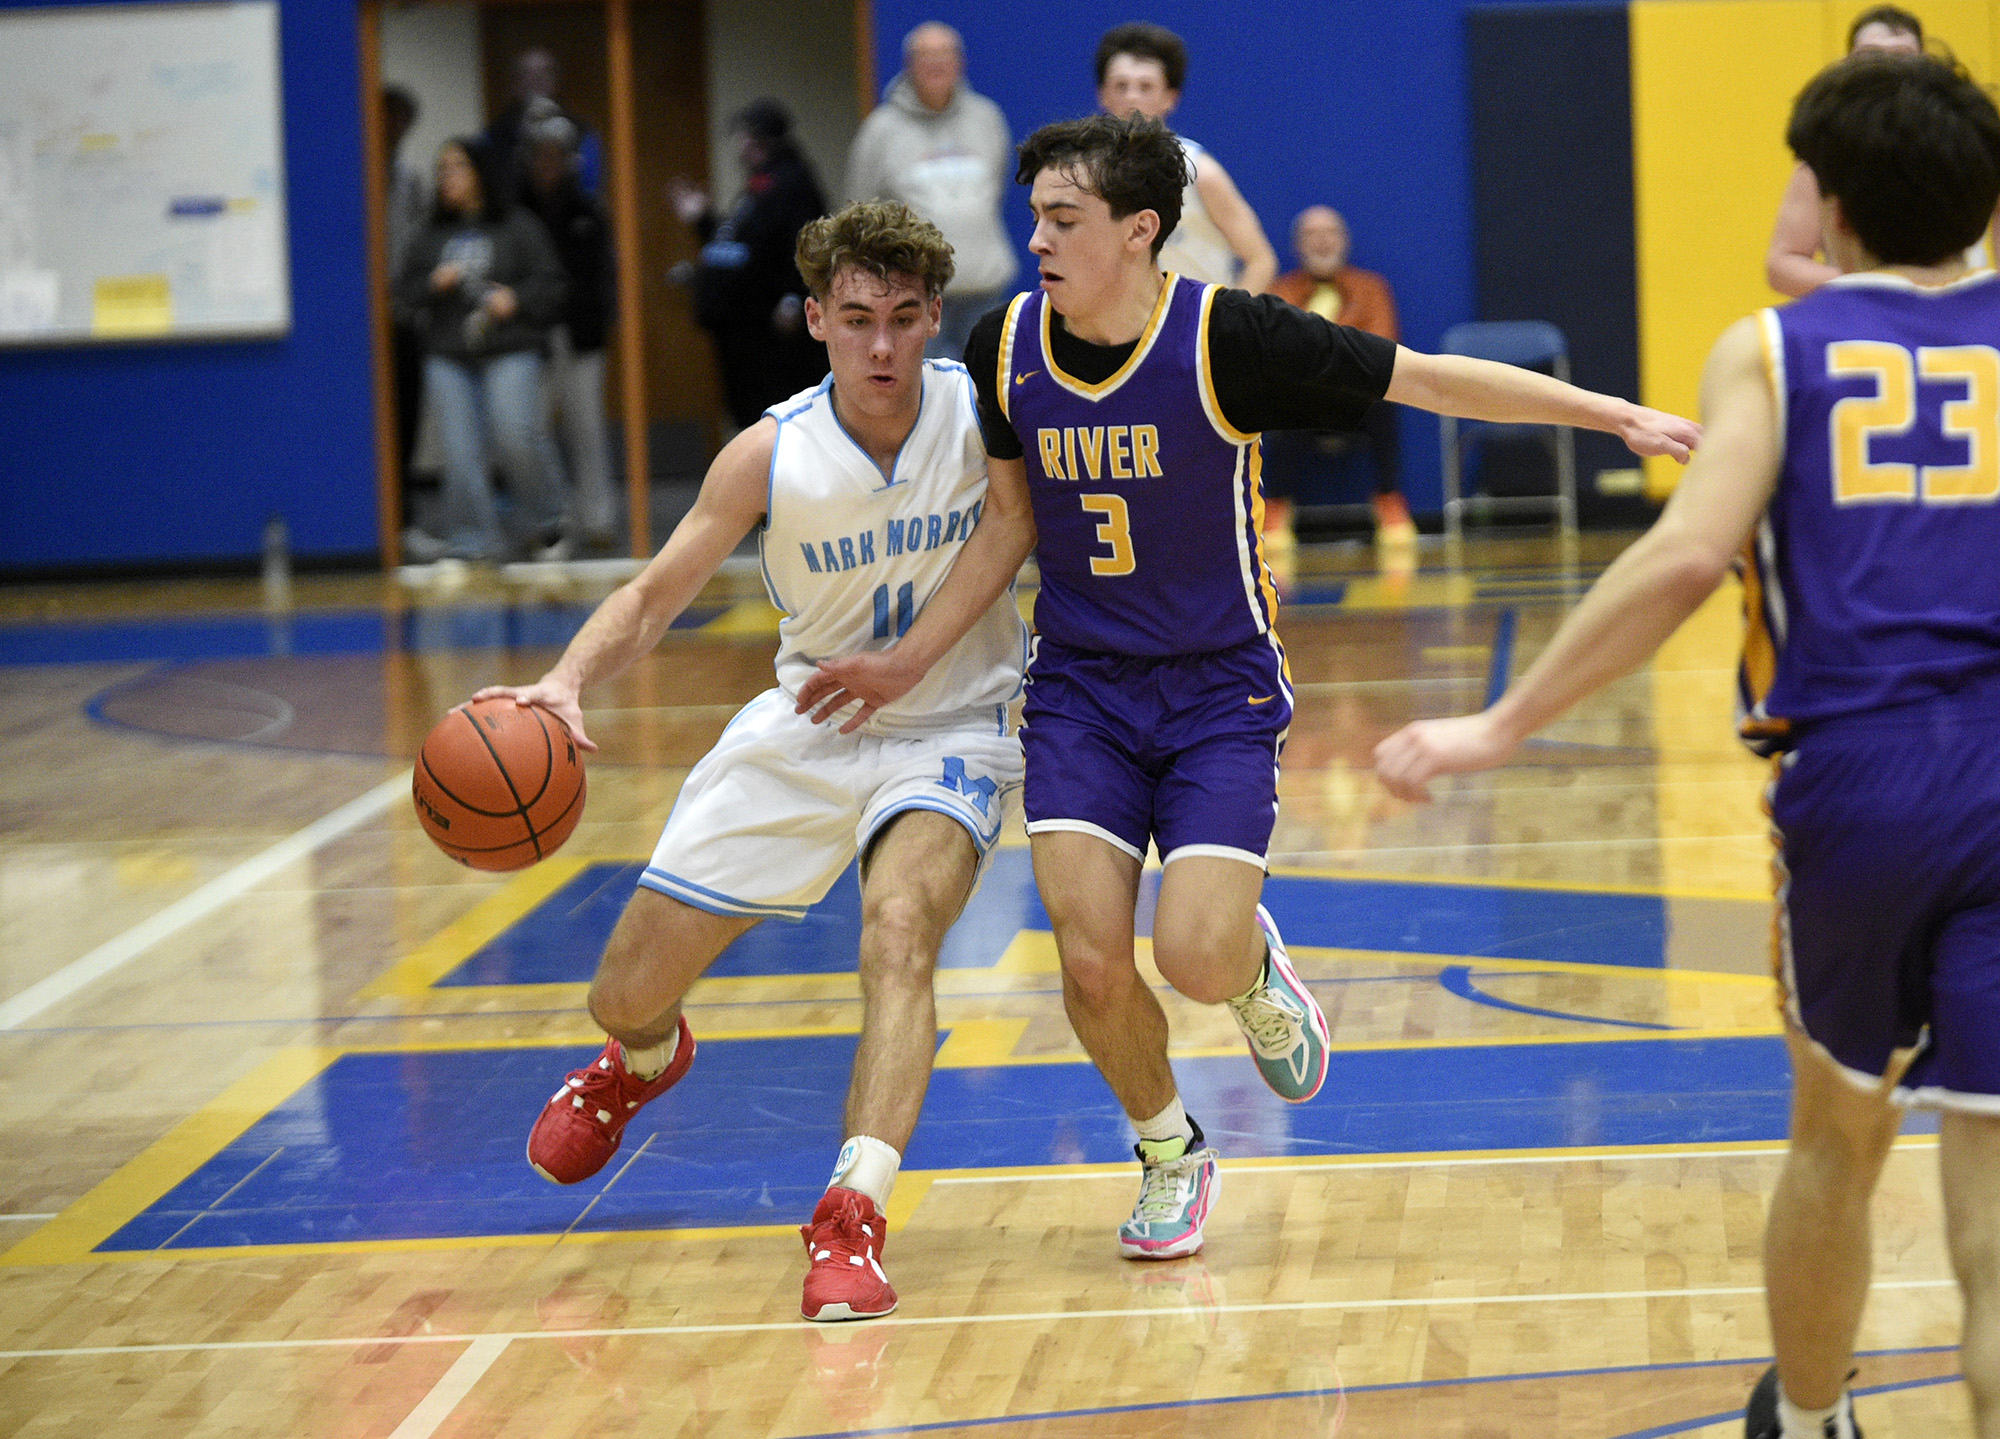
(1853, 459)
(1128, 404)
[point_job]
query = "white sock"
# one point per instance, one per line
(867, 1165)
(1169, 1123)
(650, 1064)
(1797, 1423)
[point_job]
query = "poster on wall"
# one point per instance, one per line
(142, 189)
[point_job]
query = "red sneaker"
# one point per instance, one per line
(844, 1242)
(580, 1128)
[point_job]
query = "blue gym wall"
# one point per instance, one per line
(170, 453)
(1361, 104)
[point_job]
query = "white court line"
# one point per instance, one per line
(436, 1406)
(114, 953)
(1250, 1168)
(898, 1321)
(24, 1218)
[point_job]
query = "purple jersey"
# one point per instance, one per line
(1148, 502)
(1873, 580)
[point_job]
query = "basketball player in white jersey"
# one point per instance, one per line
(865, 488)
(1219, 240)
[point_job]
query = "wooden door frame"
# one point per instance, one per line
(621, 152)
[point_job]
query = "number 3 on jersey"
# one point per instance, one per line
(1892, 410)
(1115, 530)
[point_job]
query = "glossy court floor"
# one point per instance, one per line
(267, 1061)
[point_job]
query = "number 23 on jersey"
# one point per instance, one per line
(1892, 410)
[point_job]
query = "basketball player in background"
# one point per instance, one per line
(1219, 240)
(1794, 265)
(866, 489)
(1127, 406)
(1853, 461)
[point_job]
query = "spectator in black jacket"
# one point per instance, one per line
(573, 374)
(483, 286)
(747, 290)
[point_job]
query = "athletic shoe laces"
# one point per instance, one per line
(595, 1091)
(1270, 1018)
(844, 1235)
(1164, 1188)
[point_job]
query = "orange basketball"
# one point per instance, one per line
(498, 785)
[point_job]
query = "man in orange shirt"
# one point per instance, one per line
(1327, 286)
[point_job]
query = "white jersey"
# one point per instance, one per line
(852, 557)
(1197, 248)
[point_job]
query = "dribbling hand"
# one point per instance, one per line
(556, 699)
(874, 678)
(1408, 760)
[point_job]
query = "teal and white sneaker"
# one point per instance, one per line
(1175, 1195)
(1283, 1025)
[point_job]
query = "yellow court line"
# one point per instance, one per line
(458, 941)
(185, 1148)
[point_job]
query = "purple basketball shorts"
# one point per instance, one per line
(1179, 749)
(1888, 934)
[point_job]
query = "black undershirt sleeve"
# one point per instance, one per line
(982, 356)
(1278, 368)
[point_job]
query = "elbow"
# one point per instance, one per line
(1693, 570)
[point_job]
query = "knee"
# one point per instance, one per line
(1198, 955)
(898, 942)
(1096, 979)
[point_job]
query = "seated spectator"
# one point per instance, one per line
(747, 290)
(483, 285)
(573, 371)
(1327, 286)
(943, 149)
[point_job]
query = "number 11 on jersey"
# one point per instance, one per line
(906, 609)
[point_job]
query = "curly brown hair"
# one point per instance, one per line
(880, 236)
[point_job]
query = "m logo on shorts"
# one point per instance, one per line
(979, 791)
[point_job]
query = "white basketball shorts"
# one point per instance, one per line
(770, 817)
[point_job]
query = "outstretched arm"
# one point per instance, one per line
(1645, 595)
(1482, 390)
(980, 575)
(634, 616)
(1792, 265)
(1239, 225)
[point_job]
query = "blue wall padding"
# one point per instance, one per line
(152, 452)
(1551, 125)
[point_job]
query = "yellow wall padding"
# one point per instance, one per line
(1712, 86)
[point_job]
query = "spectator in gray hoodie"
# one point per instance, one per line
(944, 150)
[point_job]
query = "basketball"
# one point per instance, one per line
(498, 785)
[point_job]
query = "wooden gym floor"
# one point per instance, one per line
(267, 1061)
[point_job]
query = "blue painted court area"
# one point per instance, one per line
(560, 939)
(429, 1144)
(325, 632)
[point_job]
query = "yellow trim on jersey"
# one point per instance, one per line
(1137, 358)
(1773, 331)
(1006, 358)
(1265, 583)
(1206, 378)
(1760, 653)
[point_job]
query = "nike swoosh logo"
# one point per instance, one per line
(1023, 379)
(1264, 701)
